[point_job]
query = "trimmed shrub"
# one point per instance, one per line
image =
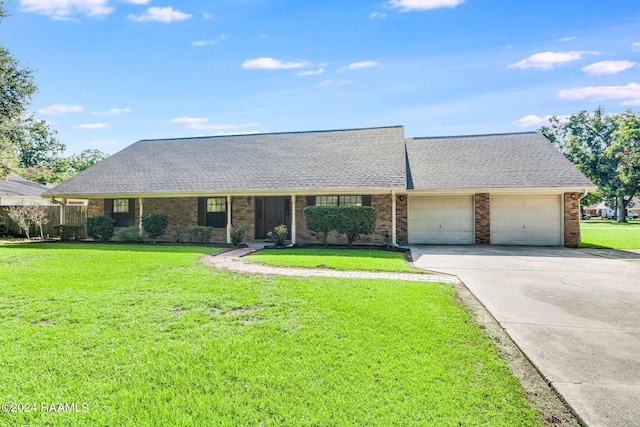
(180, 234)
(155, 224)
(353, 221)
(237, 235)
(278, 235)
(100, 228)
(321, 219)
(199, 234)
(69, 232)
(130, 234)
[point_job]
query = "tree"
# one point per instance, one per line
(605, 148)
(18, 129)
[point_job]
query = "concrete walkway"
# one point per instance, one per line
(232, 260)
(574, 313)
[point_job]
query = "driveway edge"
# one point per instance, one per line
(540, 392)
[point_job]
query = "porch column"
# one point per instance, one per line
(228, 220)
(63, 212)
(140, 219)
(293, 219)
(393, 218)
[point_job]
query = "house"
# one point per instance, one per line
(19, 191)
(500, 189)
(603, 210)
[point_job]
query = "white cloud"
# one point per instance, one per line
(61, 109)
(207, 15)
(377, 15)
(140, 2)
(161, 14)
(92, 126)
(548, 60)
(628, 94)
(532, 120)
(220, 38)
(635, 46)
(310, 72)
(567, 39)
(272, 64)
(202, 123)
(608, 67)
(363, 64)
(64, 9)
(111, 112)
(409, 5)
(331, 82)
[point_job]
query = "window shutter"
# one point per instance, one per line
(202, 211)
(366, 200)
(108, 208)
(131, 218)
(311, 200)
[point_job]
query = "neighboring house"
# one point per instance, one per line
(603, 210)
(19, 191)
(500, 189)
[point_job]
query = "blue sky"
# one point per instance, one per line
(111, 72)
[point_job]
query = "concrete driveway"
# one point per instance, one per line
(575, 313)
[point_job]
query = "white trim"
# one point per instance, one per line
(505, 191)
(228, 219)
(63, 213)
(293, 219)
(393, 219)
(141, 204)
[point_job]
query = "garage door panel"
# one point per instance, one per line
(441, 220)
(526, 220)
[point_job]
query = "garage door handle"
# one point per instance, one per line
(524, 226)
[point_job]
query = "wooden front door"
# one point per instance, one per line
(270, 213)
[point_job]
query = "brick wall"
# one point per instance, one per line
(95, 207)
(401, 219)
(571, 219)
(243, 214)
(382, 231)
(483, 218)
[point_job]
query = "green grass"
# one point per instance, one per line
(610, 235)
(339, 259)
(148, 337)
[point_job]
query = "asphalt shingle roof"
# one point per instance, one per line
(516, 160)
(369, 158)
(15, 186)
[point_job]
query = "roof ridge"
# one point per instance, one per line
(475, 135)
(273, 133)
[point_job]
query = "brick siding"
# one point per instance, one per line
(571, 219)
(483, 218)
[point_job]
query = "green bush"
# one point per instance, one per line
(199, 234)
(100, 228)
(69, 232)
(321, 219)
(180, 233)
(155, 224)
(278, 235)
(355, 220)
(130, 234)
(237, 235)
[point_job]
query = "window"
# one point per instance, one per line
(327, 201)
(122, 211)
(120, 205)
(350, 201)
(338, 200)
(212, 211)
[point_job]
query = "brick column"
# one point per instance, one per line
(483, 218)
(571, 219)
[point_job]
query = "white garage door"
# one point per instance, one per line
(441, 220)
(526, 220)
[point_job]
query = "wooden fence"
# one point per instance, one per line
(75, 215)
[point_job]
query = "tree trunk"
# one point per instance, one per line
(622, 212)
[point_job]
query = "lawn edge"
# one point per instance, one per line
(539, 390)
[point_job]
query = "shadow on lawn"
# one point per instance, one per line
(118, 247)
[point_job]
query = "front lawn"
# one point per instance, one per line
(610, 235)
(339, 259)
(145, 336)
